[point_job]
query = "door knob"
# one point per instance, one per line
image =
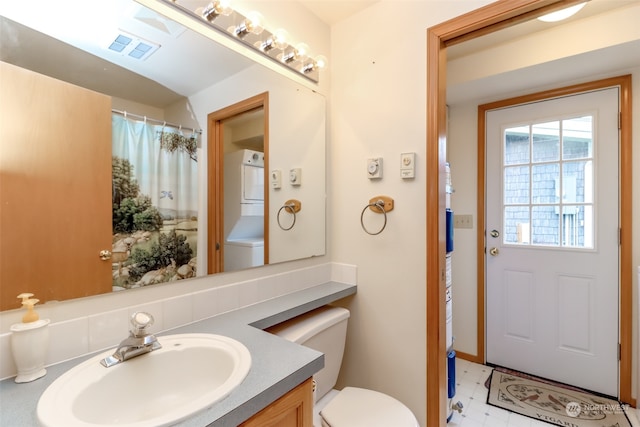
(494, 251)
(105, 255)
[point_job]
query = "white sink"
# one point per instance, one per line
(188, 374)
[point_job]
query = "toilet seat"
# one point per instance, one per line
(359, 407)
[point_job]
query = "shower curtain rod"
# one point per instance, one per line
(161, 122)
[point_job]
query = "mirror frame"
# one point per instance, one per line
(493, 17)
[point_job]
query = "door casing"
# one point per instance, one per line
(625, 268)
(490, 18)
(215, 183)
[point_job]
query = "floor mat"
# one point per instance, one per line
(553, 404)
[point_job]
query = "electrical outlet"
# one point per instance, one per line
(462, 221)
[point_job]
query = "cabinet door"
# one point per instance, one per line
(294, 409)
(55, 188)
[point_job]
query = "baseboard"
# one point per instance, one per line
(469, 357)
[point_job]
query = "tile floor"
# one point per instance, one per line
(471, 392)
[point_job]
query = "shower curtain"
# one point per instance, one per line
(155, 203)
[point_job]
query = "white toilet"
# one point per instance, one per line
(325, 330)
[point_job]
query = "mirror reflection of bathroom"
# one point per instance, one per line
(244, 190)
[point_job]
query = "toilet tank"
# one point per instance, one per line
(324, 330)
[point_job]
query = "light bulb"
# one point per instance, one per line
(302, 51)
(225, 6)
(281, 38)
(253, 23)
(289, 56)
(267, 45)
(318, 63)
(215, 9)
(256, 22)
(277, 39)
(321, 61)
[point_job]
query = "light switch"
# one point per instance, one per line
(463, 221)
(276, 179)
(374, 168)
(295, 176)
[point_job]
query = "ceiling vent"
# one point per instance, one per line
(129, 45)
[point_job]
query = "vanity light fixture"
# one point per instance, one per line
(319, 62)
(289, 57)
(559, 15)
(253, 23)
(267, 45)
(279, 39)
(250, 30)
(298, 53)
(302, 51)
(215, 9)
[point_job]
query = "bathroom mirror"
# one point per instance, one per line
(199, 78)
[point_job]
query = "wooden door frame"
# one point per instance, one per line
(215, 178)
(625, 216)
(490, 18)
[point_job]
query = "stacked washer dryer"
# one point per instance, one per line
(243, 209)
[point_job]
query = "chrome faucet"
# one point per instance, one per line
(138, 342)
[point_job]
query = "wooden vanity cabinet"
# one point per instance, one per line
(294, 409)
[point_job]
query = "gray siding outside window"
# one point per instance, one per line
(544, 197)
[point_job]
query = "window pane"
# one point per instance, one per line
(546, 179)
(577, 226)
(577, 138)
(516, 224)
(548, 184)
(516, 148)
(516, 185)
(546, 141)
(545, 225)
(577, 182)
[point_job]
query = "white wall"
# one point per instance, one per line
(378, 109)
(462, 152)
(462, 155)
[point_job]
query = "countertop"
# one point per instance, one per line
(277, 365)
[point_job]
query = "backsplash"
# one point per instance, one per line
(75, 337)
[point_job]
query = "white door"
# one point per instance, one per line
(552, 239)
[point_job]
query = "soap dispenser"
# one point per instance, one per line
(29, 342)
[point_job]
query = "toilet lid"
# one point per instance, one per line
(359, 407)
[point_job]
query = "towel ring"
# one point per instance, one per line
(292, 206)
(380, 204)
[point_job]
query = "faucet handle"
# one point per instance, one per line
(140, 321)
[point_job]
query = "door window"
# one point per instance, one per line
(548, 188)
